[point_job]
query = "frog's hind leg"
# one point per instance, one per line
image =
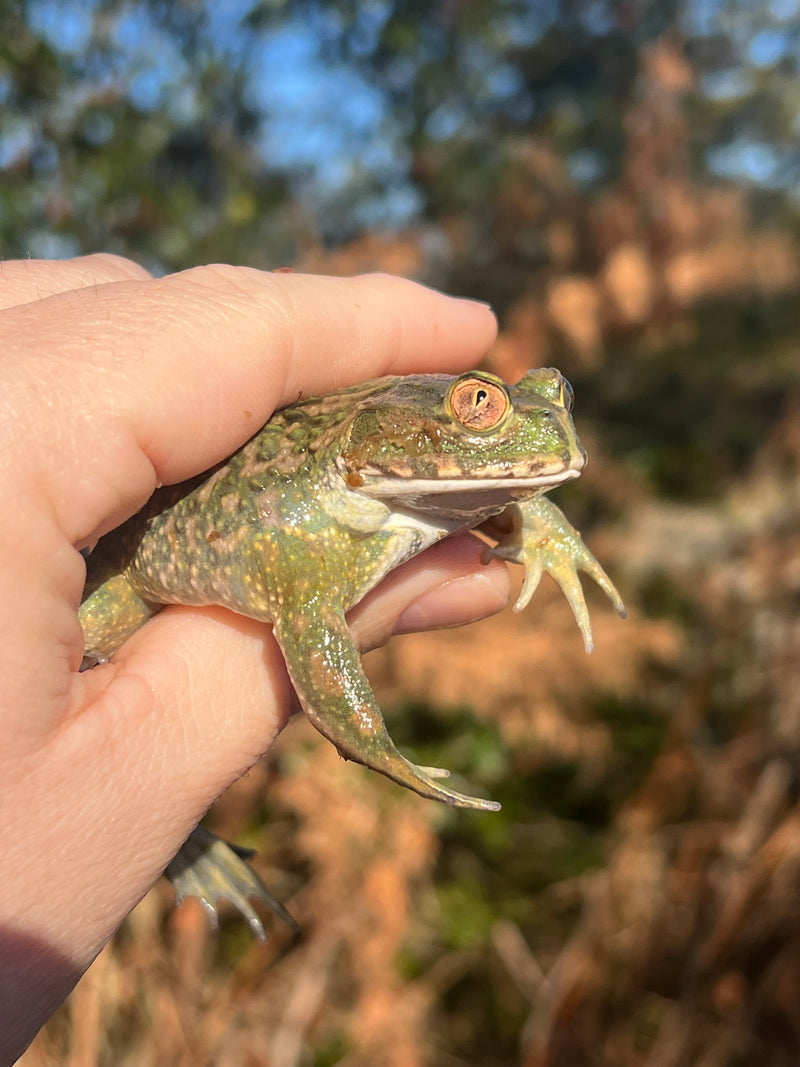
(212, 870)
(109, 616)
(205, 866)
(326, 670)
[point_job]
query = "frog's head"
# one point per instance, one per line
(454, 445)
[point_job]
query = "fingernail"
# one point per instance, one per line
(472, 300)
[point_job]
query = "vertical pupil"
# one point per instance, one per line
(480, 396)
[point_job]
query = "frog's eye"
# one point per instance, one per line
(478, 404)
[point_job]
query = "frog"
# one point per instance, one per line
(295, 528)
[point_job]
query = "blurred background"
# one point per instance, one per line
(621, 181)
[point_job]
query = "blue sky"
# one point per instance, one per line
(328, 125)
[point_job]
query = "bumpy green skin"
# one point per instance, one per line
(332, 495)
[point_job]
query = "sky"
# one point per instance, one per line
(324, 123)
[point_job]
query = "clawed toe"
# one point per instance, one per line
(212, 870)
(426, 784)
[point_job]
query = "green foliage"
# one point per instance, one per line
(638, 734)
(735, 379)
(332, 1052)
(168, 131)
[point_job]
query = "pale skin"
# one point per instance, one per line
(112, 382)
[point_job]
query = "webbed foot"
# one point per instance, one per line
(212, 870)
(543, 540)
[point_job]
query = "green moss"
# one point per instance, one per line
(330, 1052)
(467, 914)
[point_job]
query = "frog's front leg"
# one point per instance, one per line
(538, 535)
(325, 668)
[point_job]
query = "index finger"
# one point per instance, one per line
(129, 384)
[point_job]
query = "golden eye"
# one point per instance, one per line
(478, 404)
(566, 395)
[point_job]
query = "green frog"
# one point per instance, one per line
(308, 516)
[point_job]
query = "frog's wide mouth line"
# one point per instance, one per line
(399, 487)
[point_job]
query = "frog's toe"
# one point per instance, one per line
(598, 575)
(381, 755)
(434, 772)
(92, 659)
(533, 575)
(427, 782)
(212, 870)
(565, 573)
(563, 560)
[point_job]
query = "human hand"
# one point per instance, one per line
(111, 383)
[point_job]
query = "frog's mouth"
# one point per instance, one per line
(462, 497)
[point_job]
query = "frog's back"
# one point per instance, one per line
(278, 451)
